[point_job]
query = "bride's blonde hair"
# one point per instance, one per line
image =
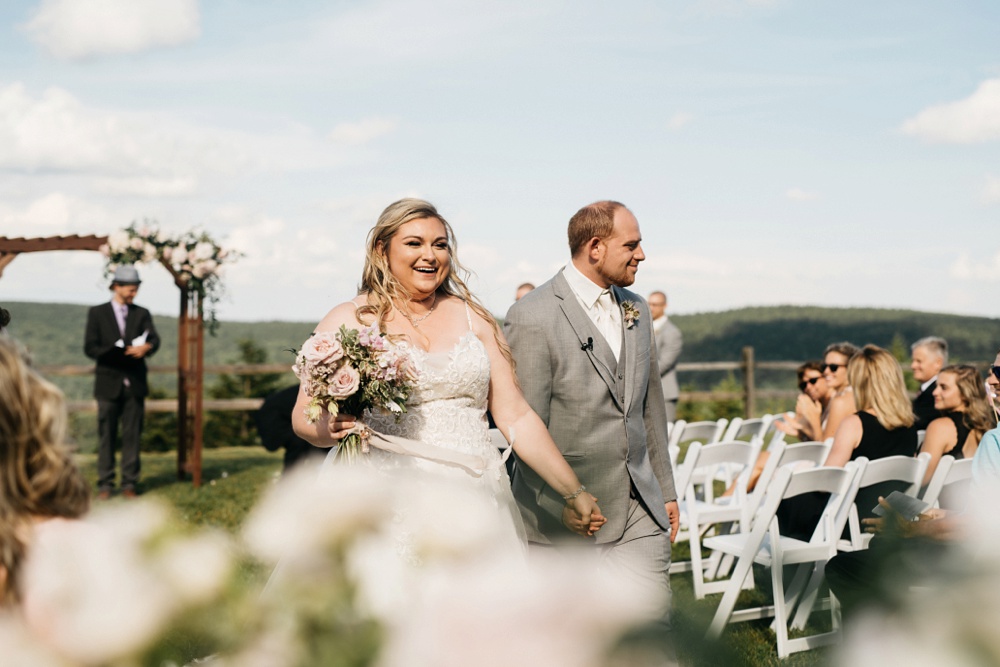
(382, 288)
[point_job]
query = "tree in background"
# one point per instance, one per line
(227, 429)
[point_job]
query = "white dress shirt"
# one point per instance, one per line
(599, 304)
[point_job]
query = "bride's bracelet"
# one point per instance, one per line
(571, 497)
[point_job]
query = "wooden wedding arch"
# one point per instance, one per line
(190, 345)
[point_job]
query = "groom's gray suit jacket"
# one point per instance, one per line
(607, 417)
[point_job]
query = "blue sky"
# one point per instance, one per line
(774, 152)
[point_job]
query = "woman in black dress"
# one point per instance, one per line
(881, 427)
(966, 415)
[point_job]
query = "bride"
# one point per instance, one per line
(412, 291)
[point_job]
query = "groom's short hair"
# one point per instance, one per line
(597, 219)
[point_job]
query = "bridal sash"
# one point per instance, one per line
(474, 464)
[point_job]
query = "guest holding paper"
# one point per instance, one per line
(120, 335)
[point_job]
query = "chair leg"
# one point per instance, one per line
(725, 609)
(780, 624)
(697, 568)
(809, 596)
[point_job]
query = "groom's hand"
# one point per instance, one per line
(583, 517)
(674, 514)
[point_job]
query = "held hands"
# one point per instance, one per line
(583, 516)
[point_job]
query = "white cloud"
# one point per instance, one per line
(147, 186)
(972, 120)
(363, 131)
(679, 120)
(967, 268)
(72, 29)
(798, 194)
(991, 190)
(129, 153)
(52, 215)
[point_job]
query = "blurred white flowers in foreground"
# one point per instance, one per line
(362, 569)
(951, 619)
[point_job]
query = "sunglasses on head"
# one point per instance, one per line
(833, 367)
(806, 383)
(996, 372)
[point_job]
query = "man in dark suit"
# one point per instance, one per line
(929, 355)
(120, 335)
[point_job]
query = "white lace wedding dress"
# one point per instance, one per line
(447, 409)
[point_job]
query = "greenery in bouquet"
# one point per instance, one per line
(194, 257)
(351, 371)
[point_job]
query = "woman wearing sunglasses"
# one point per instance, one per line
(960, 397)
(881, 426)
(812, 406)
(834, 369)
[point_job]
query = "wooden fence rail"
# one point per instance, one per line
(747, 367)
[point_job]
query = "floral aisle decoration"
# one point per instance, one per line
(195, 258)
(132, 586)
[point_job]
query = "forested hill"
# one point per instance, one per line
(54, 332)
(801, 332)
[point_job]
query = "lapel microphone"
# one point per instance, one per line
(589, 345)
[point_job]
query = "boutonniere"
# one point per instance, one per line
(630, 314)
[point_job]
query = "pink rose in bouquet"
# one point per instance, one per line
(345, 382)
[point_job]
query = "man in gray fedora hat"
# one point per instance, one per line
(120, 335)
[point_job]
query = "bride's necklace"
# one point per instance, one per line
(415, 321)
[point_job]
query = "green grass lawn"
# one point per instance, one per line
(233, 478)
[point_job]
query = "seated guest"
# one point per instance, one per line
(960, 397)
(38, 481)
(4, 320)
(274, 424)
(808, 418)
(929, 355)
(881, 427)
(812, 405)
(883, 573)
(835, 359)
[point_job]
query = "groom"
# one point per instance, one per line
(586, 363)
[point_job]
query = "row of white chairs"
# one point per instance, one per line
(756, 538)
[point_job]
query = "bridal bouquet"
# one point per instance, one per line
(351, 371)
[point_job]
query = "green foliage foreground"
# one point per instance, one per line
(235, 477)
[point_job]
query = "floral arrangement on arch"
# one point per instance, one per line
(195, 258)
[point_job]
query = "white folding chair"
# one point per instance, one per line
(699, 516)
(705, 432)
(949, 486)
(799, 456)
(764, 545)
(746, 429)
(904, 469)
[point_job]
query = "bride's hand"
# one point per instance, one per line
(340, 425)
(583, 516)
